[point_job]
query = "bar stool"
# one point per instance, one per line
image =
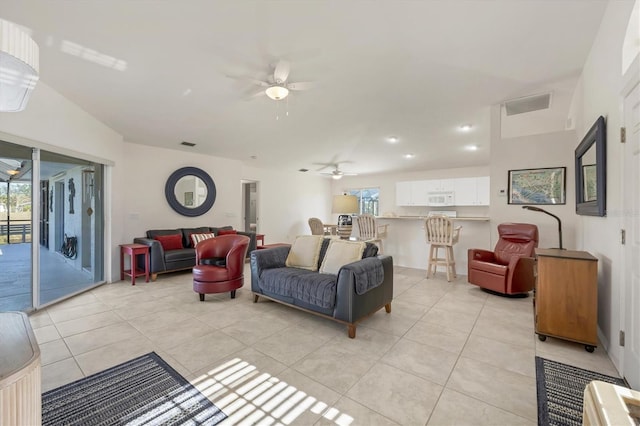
(441, 233)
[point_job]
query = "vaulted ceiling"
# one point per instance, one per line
(165, 71)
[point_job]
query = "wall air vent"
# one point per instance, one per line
(185, 143)
(527, 104)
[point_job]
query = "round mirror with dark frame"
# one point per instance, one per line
(190, 191)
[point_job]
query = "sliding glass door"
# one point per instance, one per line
(63, 216)
(15, 228)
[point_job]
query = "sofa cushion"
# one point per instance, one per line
(196, 238)
(170, 242)
(180, 254)
(227, 232)
(300, 285)
(340, 253)
(304, 252)
(187, 232)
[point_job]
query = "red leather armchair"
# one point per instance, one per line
(220, 265)
(509, 268)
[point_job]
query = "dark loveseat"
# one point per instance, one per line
(358, 290)
(178, 259)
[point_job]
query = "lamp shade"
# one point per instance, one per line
(18, 67)
(345, 204)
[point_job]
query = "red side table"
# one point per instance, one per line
(133, 250)
(260, 239)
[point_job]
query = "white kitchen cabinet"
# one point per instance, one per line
(411, 193)
(439, 185)
(472, 191)
(403, 193)
(419, 193)
(466, 191)
(484, 190)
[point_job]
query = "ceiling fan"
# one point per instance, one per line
(277, 87)
(336, 173)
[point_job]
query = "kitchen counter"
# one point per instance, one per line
(406, 240)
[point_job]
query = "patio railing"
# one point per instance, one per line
(16, 231)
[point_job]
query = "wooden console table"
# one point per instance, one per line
(20, 373)
(566, 298)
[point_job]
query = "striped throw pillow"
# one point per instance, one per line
(196, 238)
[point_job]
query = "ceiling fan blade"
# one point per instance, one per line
(254, 95)
(303, 85)
(281, 72)
(250, 80)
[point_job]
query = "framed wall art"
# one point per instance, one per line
(538, 186)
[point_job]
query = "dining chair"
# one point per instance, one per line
(370, 231)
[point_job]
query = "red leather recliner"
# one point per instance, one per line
(220, 265)
(509, 268)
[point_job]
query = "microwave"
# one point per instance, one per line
(446, 198)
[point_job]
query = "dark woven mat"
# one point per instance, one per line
(145, 390)
(561, 391)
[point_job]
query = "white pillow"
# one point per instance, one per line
(196, 238)
(304, 252)
(340, 253)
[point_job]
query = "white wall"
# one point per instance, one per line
(601, 85)
(532, 152)
(286, 201)
(145, 205)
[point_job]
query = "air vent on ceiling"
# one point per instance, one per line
(185, 143)
(303, 170)
(527, 104)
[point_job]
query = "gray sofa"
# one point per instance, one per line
(358, 290)
(175, 260)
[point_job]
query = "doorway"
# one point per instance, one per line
(250, 205)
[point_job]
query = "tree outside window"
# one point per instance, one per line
(368, 200)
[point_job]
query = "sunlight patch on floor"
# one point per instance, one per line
(248, 396)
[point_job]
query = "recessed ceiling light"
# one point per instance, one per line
(465, 127)
(409, 156)
(471, 147)
(393, 139)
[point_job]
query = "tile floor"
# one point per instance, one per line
(447, 354)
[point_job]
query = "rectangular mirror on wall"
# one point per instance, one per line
(591, 171)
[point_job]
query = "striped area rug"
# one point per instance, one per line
(145, 390)
(561, 391)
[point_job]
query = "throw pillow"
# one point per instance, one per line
(196, 238)
(227, 232)
(304, 252)
(340, 253)
(170, 242)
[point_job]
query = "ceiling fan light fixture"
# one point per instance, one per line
(277, 92)
(336, 177)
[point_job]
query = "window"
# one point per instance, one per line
(367, 199)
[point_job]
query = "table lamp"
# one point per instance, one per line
(344, 205)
